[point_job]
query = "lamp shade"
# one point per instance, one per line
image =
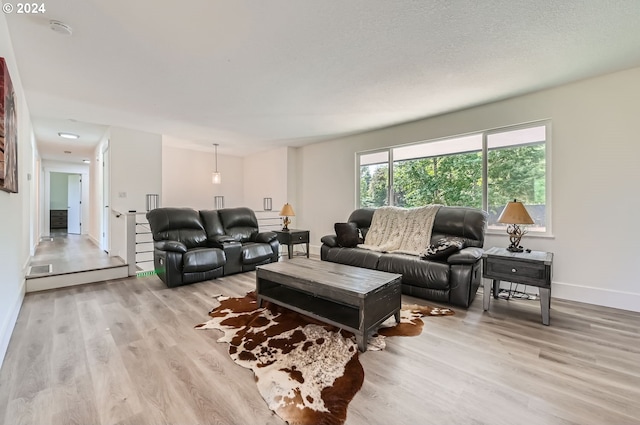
(515, 213)
(287, 211)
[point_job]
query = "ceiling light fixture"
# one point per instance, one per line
(216, 178)
(69, 135)
(60, 27)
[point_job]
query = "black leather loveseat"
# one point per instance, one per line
(192, 246)
(453, 280)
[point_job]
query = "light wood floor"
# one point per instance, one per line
(125, 352)
(68, 253)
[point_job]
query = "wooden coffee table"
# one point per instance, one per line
(352, 298)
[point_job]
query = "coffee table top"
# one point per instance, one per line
(355, 280)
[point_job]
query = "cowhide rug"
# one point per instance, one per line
(307, 371)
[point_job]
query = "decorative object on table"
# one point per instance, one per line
(216, 177)
(153, 201)
(219, 202)
(306, 371)
(8, 132)
(513, 214)
(286, 212)
(267, 204)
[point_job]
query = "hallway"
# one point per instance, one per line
(64, 253)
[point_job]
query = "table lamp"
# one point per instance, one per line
(513, 214)
(286, 212)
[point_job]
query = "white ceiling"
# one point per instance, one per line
(253, 75)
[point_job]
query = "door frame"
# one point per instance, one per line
(49, 168)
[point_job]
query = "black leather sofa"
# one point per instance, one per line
(192, 246)
(453, 280)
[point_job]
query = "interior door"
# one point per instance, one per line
(74, 208)
(105, 200)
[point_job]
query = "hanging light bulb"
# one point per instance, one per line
(216, 178)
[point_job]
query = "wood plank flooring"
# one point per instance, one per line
(67, 253)
(125, 352)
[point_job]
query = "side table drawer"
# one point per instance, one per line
(300, 237)
(517, 271)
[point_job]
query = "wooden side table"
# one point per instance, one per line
(530, 268)
(293, 237)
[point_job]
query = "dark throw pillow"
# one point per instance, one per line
(443, 249)
(347, 234)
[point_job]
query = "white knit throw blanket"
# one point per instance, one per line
(403, 230)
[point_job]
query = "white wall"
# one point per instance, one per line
(135, 171)
(16, 215)
(594, 154)
(186, 178)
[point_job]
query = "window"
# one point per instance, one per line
(516, 169)
(482, 170)
(374, 179)
(447, 172)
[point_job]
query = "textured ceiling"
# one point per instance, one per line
(252, 75)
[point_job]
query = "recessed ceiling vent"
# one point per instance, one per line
(60, 27)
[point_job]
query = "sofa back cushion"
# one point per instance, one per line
(467, 223)
(239, 223)
(211, 222)
(362, 218)
(177, 224)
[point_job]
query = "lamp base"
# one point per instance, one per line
(515, 236)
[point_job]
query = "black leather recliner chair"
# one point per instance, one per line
(181, 253)
(192, 246)
(235, 231)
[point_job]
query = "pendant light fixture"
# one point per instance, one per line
(216, 178)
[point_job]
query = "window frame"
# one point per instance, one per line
(484, 150)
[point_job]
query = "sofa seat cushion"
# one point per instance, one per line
(202, 260)
(354, 257)
(253, 253)
(416, 271)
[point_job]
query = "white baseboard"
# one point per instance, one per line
(94, 240)
(598, 296)
(9, 322)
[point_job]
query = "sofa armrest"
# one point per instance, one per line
(266, 237)
(172, 246)
(330, 240)
(467, 255)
